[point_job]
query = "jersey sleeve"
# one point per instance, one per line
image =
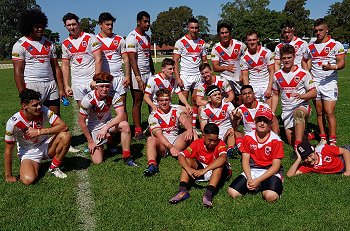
(53, 53)
(117, 101)
(275, 85)
(204, 115)
(309, 82)
(179, 110)
(150, 86)
(49, 115)
(277, 150)
(65, 53)
(245, 147)
(215, 56)
(122, 46)
(18, 51)
(131, 44)
(243, 64)
(331, 150)
(339, 49)
(95, 44)
(153, 122)
(226, 86)
(307, 54)
(178, 47)
(9, 136)
(200, 91)
(204, 50)
(190, 151)
(277, 53)
(85, 105)
(221, 149)
(305, 168)
(270, 58)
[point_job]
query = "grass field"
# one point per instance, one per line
(123, 199)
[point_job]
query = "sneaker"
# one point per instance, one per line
(112, 150)
(73, 150)
(57, 173)
(207, 201)
(233, 152)
(322, 142)
(130, 162)
(180, 196)
(139, 136)
(151, 170)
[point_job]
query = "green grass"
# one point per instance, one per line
(126, 200)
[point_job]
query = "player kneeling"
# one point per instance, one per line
(204, 159)
(96, 107)
(164, 126)
(325, 159)
(35, 142)
(262, 151)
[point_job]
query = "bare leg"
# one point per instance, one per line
(29, 171)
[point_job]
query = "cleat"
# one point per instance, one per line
(73, 150)
(151, 170)
(207, 201)
(130, 162)
(233, 152)
(180, 196)
(139, 136)
(57, 173)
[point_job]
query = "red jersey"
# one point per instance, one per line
(198, 151)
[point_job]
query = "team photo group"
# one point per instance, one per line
(230, 104)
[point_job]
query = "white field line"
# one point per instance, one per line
(86, 204)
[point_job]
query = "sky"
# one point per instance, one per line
(125, 11)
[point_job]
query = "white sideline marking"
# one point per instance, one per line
(86, 204)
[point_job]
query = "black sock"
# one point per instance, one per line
(183, 186)
(210, 190)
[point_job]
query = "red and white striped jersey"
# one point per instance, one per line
(257, 65)
(99, 111)
(140, 44)
(229, 56)
(219, 116)
(18, 124)
(248, 115)
(297, 81)
(218, 81)
(262, 154)
(322, 53)
(300, 47)
(112, 48)
(191, 52)
(36, 56)
(157, 82)
(80, 53)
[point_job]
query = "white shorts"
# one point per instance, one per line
(207, 175)
(118, 85)
(191, 81)
(259, 92)
(328, 91)
(79, 91)
(172, 139)
(288, 116)
(257, 172)
(48, 90)
(94, 133)
(37, 154)
(222, 132)
(144, 78)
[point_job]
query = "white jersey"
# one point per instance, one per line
(229, 56)
(219, 116)
(140, 44)
(257, 65)
(218, 81)
(157, 82)
(248, 115)
(113, 48)
(297, 81)
(99, 111)
(169, 122)
(18, 124)
(80, 53)
(322, 53)
(191, 53)
(300, 47)
(36, 56)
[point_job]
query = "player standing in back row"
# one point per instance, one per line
(189, 52)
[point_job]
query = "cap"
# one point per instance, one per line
(211, 89)
(305, 149)
(264, 112)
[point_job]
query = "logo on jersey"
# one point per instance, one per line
(250, 61)
(327, 159)
(189, 149)
(15, 55)
(13, 118)
(30, 48)
(253, 147)
(222, 53)
(187, 46)
(131, 46)
(297, 79)
(313, 51)
(327, 49)
(160, 121)
(115, 42)
(235, 51)
(70, 46)
(245, 113)
(223, 112)
(46, 47)
(8, 133)
(267, 150)
(94, 44)
(84, 44)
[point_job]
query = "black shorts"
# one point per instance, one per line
(272, 183)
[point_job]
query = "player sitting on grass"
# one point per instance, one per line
(262, 153)
(164, 125)
(204, 159)
(96, 107)
(325, 159)
(219, 112)
(35, 142)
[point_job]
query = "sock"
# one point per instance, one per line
(210, 190)
(194, 116)
(323, 136)
(296, 143)
(152, 162)
(55, 163)
(138, 130)
(125, 154)
(332, 140)
(183, 186)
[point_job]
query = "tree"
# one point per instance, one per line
(88, 25)
(296, 13)
(203, 25)
(338, 19)
(9, 13)
(170, 25)
(52, 36)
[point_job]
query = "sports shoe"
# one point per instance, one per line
(180, 196)
(207, 201)
(233, 152)
(73, 150)
(57, 172)
(151, 170)
(130, 162)
(139, 136)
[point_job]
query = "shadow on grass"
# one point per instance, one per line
(78, 140)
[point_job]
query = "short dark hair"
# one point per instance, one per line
(192, 20)
(168, 61)
(105, 16)
(163, 91)
(70, 16)
(142, 14)
(202, 66)
(211, 128)
(103, 77)
(252, 32)
(28, 95)
(246, 87)
(320, 21)
(287, 24)
(211, 89)
(287, 49)
(223, 25)
(29, 18)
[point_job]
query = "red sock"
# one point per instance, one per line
(138, 130)
(126, 154)
(55, 163)
(332, 140)
(152, 162)
(323, 136)
(194, 116)
(296, 143)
